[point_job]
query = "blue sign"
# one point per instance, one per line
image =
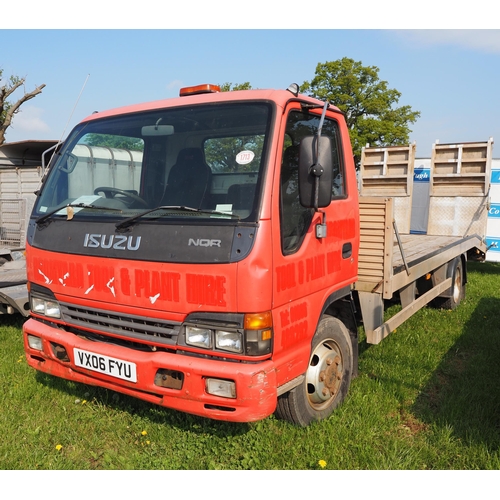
(421, 175)
(493, 244)
(494, 211)
(495, 176)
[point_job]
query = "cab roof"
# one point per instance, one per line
(280, 97)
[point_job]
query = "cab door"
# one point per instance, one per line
(309, 269)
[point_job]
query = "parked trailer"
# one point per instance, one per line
(20, 177)
(419, 268)
(217, 272)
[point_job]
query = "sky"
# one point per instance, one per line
(450, 75)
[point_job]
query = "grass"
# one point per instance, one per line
(426, 398)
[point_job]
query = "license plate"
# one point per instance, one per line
(104, 364)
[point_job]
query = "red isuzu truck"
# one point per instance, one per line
(201, 253)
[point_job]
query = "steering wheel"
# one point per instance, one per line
(110, 192)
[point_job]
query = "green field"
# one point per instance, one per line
(427, 397)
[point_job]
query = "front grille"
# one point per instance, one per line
(149, 330)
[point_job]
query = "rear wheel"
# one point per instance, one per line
(457, 287)
(327, 378)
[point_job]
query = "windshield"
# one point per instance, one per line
(201, 161)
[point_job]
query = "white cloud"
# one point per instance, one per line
(482, 40)
(173, 88)
(174, 84)
(29, 120)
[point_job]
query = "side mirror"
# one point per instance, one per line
(315, 172)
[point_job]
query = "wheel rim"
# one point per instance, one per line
(457, 285)
(324, 375)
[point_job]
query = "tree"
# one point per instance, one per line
(9, 109)
(226, 87)
(368, 103)
(114, 141)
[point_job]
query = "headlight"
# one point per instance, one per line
(228, 341)
(45, 307)
(200, 337)
(38, 305)
(237, 333)
(52, 309)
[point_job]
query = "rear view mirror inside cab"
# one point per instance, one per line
(157, 130)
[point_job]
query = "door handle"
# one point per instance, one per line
(346, 250)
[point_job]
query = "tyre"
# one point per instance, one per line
(457, 287)
(327, 378)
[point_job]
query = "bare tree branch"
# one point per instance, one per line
(7, 91)
(8, 110)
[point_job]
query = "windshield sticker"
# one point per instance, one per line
(85, 199)
(245, 157)
(226, 208)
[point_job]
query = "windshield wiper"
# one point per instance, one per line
(131, 220)
(47, 216)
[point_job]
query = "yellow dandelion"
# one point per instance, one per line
(144, 433)
(59, 447)
(84, 402)
(322, 463)
(148, 442)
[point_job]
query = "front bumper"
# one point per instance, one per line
(256, 393)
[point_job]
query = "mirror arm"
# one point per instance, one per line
(317, 170)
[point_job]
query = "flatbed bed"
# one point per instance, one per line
(391, 263)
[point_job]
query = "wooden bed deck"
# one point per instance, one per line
(417, 247)
(381, 267)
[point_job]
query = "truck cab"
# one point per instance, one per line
(199, 253)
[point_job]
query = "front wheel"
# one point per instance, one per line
(327, 378)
